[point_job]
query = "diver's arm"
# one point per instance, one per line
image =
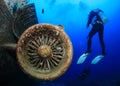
(88, 23)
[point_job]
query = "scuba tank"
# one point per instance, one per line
(96, 13)
(103, 17)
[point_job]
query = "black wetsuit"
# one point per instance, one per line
(97, 27)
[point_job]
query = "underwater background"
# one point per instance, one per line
(72, 14)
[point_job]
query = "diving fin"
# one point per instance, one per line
(97, 59)
(82, 58)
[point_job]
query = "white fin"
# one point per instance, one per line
(97, 59)
(82, 58)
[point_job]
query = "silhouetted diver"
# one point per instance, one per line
(84, 74)
(42, 11)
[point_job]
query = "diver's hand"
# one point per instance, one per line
(105, 20)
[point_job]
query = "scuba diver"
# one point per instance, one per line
(84, 73)
(42, 11)
(97, 21)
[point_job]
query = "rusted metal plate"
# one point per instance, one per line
(14, 5)
(5, 23)
(7, 61)
(24, 18)
(44, 51)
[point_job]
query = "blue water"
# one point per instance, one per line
(72, 14)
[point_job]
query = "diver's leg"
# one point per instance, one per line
(101, 41)
(91, 34)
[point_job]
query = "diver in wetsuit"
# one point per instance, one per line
(97, 23)
(84, 73)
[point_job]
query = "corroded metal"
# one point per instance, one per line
(14, 5)
(8, 67)
(8, 64)
(44, 51)
(24, 18)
